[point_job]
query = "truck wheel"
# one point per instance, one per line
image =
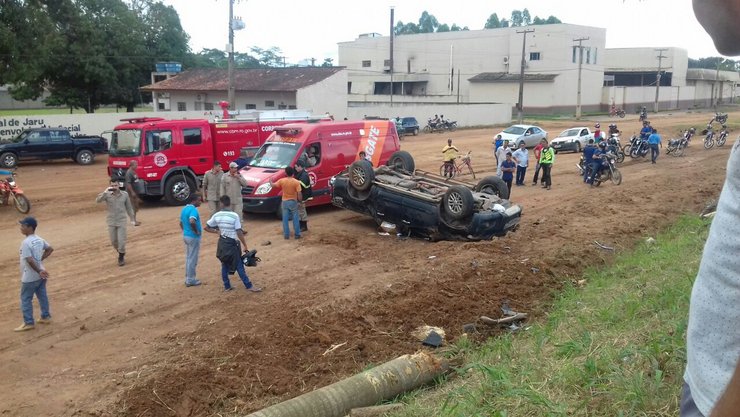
(458, 202)
(361, 175)
(8, 160)
(177, 190)
(85, 157)
(494, 186)
(402, 160)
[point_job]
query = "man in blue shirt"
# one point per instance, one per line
(508, 166)
(646, 130)
(596, 161)
(497, 143)
(191, 233)
(654, 142)
(588, 159)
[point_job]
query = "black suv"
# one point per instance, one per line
(409, 125)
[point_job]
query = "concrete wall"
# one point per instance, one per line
(630, 98)
(466, 115)
(88, 124)
(326, 96)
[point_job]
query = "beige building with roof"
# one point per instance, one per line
(316, 89)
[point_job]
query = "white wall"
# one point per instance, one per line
(88, 124)
(670, 98)
(327, 96)
(466, 115)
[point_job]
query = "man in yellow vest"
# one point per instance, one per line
(547, 158)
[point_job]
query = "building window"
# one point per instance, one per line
(534, 56)
(250, 106)
(181, 106)
(349, 87)
(588, 55)
(595, 55)
(291, 107)
(269, 103)
(365, 64)
(282, 106)
(575, 48)
(192, 136)
(208, 106)
(160, 106)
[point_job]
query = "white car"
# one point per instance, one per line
(573, 139)
(530, 135)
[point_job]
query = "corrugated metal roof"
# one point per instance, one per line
(257, 79)
(505, 77)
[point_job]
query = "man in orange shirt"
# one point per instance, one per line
(291, 196)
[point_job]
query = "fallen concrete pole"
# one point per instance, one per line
(362, 390)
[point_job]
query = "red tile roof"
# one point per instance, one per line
(258, 79)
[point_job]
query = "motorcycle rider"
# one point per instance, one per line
(598, 134)
(646, 130)
(588, 158)
(643, 113)
(597, 162)
(5, 194)
(613, 129)
(434, 122)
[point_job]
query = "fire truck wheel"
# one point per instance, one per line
(177, 189)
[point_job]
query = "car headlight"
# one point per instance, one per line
(263, 189)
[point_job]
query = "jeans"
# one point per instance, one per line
(536, 173)
(192, 249)
(28, 289)
(520, 172)
(239, 270)
(546, 180)
(654, 152)
(595, 169)
(290, 210)
(508, 185)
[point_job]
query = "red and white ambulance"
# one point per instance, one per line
(335, 146)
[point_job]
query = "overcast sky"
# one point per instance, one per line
(304, 29)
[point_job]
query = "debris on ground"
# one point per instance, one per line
(602, 246)
(511, 317)
(431, 257)
(650, 241)
(388, 227)
(333, 348)
(429, 335)
(266, 243)
(709, 209)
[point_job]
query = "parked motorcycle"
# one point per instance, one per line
(721, 137)
(11, 193)
(450, 125)
(676, 146)
(616, 111)
(720, 118)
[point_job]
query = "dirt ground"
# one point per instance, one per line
(135, 341)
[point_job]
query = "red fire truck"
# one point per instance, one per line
(173, 155)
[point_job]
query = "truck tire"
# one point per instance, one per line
(458, 202)
(8, 160)
(85, 157)
(402, 160)
(494, 186)
(361, 175)
(177, 189)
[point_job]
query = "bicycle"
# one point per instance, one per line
(457, 168)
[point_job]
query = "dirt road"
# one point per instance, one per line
(135, 341)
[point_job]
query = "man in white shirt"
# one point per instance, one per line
(501, 153)
(33, 275)
(521, 157)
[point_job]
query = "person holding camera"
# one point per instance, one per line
(119, 205)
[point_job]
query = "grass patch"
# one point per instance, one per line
(615, 347)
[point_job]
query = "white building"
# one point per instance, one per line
(479, 66)
(317, 89)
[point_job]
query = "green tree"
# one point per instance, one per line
(328, 62)
(493, 22)
(713, 62)
(516, 18)
(405, 29)
(443, 28)
(552, 20)
(427, 23)
(526, 18)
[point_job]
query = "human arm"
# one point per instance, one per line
(729, 403)
(299, 192)
(240, 235)
(36, 267)
(211, 226)
(129, 209)
(102, 196)
(193, 225)
(204, 184)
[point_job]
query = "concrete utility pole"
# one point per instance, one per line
(520, 104)
(716, 80)
(657, 76)
(580, 66)
(391, 60)
(232, 89)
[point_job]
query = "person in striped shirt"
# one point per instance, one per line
(228, 225)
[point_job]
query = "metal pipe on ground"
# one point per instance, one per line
(368, 388)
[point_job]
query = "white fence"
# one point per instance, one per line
(464, 114)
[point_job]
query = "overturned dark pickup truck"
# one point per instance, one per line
(427, 205)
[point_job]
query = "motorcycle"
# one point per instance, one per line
(637, 147)
(720, 118)
(615, 111)
(643, 114)
(709, 139)
(609, 171)
(677, 146)
(433, 126)
(450, 125)
(615, 147)
(11, 193)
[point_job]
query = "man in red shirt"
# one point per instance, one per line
(291, 196)
(537, 151)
